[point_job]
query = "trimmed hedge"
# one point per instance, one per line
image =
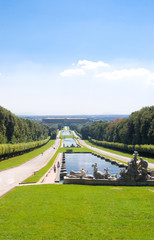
(11, 149)
(77, 133)
(147, 149)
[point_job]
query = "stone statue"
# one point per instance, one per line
(107, 174)
(79, 174)
(136, 171)
(97, 174)
(100, 175)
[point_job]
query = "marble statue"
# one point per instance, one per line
(97, 174)
(100, 175)
(79, 174)
(136, 171)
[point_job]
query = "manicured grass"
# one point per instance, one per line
(151, 160)
(15, 161)
(66, 128)
(74, 149)
(73, 212)
(65, 136)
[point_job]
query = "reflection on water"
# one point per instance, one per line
(68, 142)
(76, 161)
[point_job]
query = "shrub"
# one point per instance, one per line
(7, 149)
(147, 149)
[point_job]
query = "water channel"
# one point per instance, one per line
(69, 142)
(76, 161)
(66, 133)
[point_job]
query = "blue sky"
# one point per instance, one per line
(76, 57)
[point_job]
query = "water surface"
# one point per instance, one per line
(76, 161)
(66, 133)
(69, 141)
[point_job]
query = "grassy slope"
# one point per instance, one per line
(151, 160)
(68, 212)
(15, 161)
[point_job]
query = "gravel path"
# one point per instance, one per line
(11, 177)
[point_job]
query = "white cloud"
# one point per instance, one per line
(0, 74)
(150, 79)
(88, 65)
(128, 73)
(84, 66)
(73, 72)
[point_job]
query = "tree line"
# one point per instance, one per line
(138, 128)
(14, 129)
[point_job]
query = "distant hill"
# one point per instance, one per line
(106, 118)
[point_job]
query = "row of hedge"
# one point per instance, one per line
(144, 149)
(8, 149)
(77, 133)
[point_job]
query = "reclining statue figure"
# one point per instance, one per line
(97, 174)
(79, 174)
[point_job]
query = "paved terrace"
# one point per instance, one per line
(53, 176)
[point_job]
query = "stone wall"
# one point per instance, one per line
(107, 182)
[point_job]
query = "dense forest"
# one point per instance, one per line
(17, 130)
(137, 129)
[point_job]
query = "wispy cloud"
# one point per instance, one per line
(150, 78)
(128, 73)
(88, 65)
(124, 73)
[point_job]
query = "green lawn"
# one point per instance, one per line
(73, 212)
(151, 160)
(15, 161)
(67, 128)
(66, 136)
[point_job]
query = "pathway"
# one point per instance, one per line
(53, 176)
(11, 177)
